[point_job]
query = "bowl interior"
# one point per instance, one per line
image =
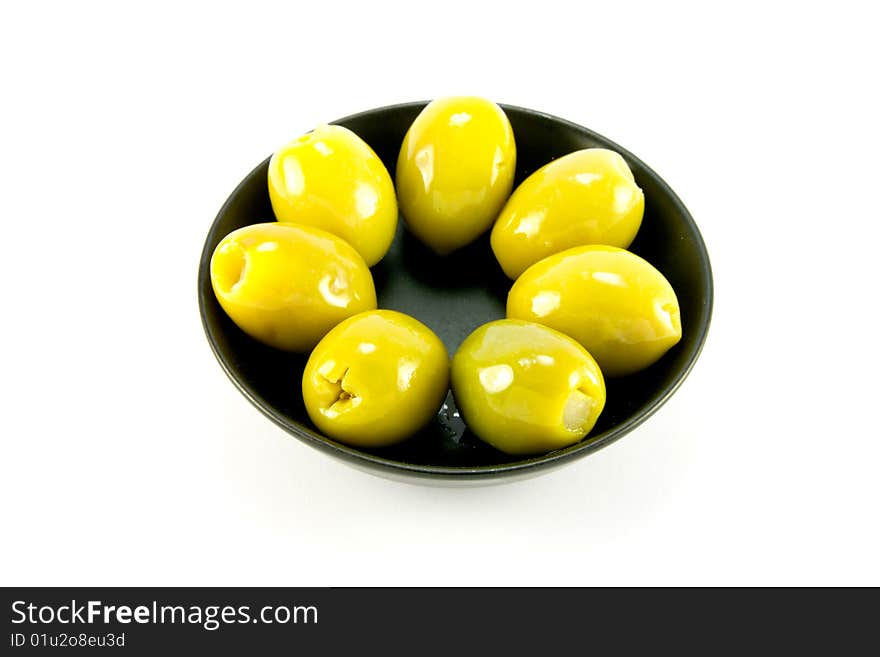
(455, 294)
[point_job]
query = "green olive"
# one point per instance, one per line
(525, 388)
(286, 285)
(375, 379)
(613, 302)
(331, 179)
(585, 197)
(455, 171)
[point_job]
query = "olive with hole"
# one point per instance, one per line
(375, 379)
(525, 388)
(613, 302)
(586, 197)
(286, 284)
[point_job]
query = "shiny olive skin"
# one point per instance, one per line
(286, 284)
(331, 179)
(525, 388)
(613, 302)
(375, 379)
(585, 197)
(455, 171)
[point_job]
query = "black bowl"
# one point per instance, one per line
(455, 294)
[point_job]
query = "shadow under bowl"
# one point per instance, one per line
(455, 294)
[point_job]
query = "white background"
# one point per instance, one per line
(129, 458)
